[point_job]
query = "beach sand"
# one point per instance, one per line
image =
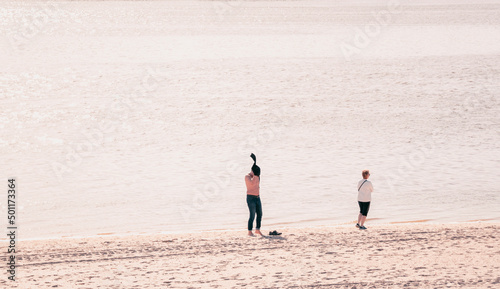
(384, 256)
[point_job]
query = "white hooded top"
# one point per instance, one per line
(365, 193)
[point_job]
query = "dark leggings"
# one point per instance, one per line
(255, 206)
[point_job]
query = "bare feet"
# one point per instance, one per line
(258, 233)
(250, 234)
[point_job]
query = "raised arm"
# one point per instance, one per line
(249, 178)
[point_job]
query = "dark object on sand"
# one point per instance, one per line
(274, 233)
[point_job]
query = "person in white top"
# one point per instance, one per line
(365, 189)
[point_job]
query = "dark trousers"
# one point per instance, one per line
(255, 206)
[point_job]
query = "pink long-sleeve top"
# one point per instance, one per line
(252, 185)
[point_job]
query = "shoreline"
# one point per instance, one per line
(394, 256)
(375, 222)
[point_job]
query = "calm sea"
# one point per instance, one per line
(139, 117)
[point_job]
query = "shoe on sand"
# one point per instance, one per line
(362, 228)
(357, 225)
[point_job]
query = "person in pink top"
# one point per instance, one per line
(252, 181)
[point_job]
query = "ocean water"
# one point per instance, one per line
(140, 116)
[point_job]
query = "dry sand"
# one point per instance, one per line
(384, 256)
